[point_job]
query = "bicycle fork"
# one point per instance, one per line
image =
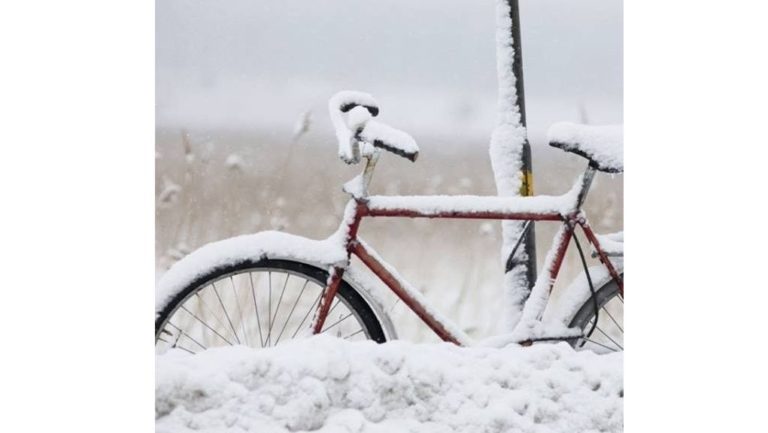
(332, 286)
(352, 217)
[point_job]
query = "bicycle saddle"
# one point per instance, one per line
(603, 146)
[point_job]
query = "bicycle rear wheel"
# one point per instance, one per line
(608, 335)
(259, 304)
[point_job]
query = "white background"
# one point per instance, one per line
(76, 94)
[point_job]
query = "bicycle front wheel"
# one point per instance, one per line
(259, 304)
(608, 334)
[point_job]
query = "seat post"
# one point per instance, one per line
(586, 183)
(370, 165)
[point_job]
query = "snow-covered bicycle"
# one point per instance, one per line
(262, 289)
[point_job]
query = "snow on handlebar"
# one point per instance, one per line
(343, 103)
(391, 139)
(351, 114)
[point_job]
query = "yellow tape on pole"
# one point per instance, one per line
(526, 189)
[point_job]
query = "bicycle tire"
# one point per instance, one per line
(346, 296)
(607, 293)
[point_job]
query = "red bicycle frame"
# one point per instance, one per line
(463, 207)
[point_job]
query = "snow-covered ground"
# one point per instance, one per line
(329, 385)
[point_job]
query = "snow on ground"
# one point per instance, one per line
(329, 385)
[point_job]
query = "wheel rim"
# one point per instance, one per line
(255, 307)
(608, 335)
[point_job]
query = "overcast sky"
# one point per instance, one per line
(431, 64)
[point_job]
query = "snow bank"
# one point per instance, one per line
(328, 385)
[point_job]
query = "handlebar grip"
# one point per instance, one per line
(390, 139)
(348, 99)
(374, 110)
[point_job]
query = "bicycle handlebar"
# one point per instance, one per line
(345, 102)
(357, 127)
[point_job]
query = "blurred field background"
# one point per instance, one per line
(244, 142)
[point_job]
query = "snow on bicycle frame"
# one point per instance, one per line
(361, 138)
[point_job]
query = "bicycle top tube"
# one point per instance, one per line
(540, 207)
(537, 208)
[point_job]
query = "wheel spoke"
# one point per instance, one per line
(239, 310)
(279, 301)
(353, 334)
(291, 312)
(336, 322)
(204, 306)
(183, 348)
(176, 340)
(225, 313)
(187, 335)
(614, 320)
(269, 309)
(206, 325)
(175, 344)
(609, 337)
(599, 344)
(256, 308)
(333, 306)
(311, 308)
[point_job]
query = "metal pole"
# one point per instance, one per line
(527, 186)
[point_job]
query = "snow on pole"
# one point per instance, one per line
(511, 160)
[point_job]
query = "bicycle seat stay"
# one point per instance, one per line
(603, 146)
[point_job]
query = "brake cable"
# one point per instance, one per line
(511, 263)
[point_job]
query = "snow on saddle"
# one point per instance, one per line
(603, 146)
